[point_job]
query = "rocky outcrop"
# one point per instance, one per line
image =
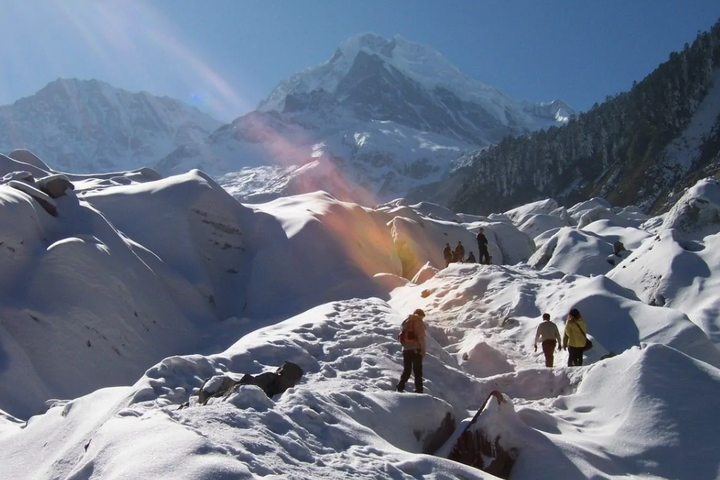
(43, 190)
(272, 383)
(483, 449)
(437, 438)
(55, 185)
(38, 195)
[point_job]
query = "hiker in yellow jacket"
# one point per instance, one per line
(575, 337)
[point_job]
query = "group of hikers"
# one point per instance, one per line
(575, 341)
(458, 254)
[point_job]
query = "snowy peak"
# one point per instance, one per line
(88, 125)
(389, 115)
(419, 62)
(372, 78)
(416, 61)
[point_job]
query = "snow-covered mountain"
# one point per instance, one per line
(170, 292)
(89, 126)
(382, 115)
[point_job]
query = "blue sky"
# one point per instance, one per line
(224, 56)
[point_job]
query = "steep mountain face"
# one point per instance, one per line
(413, 85)
(88, 126)
(381, 115)
(642, 147)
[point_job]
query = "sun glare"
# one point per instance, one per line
(131, 34)
(132, 39)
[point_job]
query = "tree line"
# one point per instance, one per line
(615, 150)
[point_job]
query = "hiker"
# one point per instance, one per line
(575, 338)
(412, 337)
(459, 252)
(482, 247)
(617, 248)
(471, 258)
(448, 254)
(549, 336)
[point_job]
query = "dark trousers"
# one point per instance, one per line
(548, 347)
(412, 360)
(575, 356)
(484, 257)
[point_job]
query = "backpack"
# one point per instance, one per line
(407, 332)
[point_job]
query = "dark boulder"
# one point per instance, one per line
(437, 439)
(21, 176)
(55, 185)
(38, 195)
(272, 383)
(476, 448)
(214, 387)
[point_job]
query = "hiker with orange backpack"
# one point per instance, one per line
(412, 337)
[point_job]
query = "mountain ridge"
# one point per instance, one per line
(84, 126)
(373, 113)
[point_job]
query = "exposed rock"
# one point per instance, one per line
(20, 176)
(216, 386)
(41, 197)
(54, 185)
(476, 448)
(437, 439)
(616, 258)
(272, 383)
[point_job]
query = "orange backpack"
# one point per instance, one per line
(407, 332)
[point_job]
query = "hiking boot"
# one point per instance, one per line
(400, 388)
(419, 391)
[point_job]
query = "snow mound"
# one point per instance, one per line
(697, 213)
(534, 225)
(644, 406)
(573, 251)
(676, 273)
(542, 207)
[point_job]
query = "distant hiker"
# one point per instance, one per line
(448, 254)
(549, 336)
(459, 255)
(412, 337)
(482, 247)
(575, 337)
(471, 258)
(617, 248)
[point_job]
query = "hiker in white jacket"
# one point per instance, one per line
(549, 335)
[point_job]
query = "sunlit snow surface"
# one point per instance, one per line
(151, 286)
